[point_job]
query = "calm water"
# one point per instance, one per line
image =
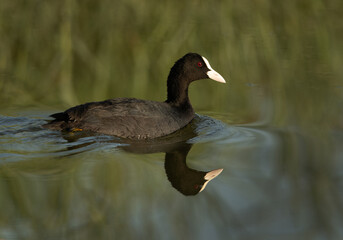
(64, 186)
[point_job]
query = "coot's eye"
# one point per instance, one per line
(199, 64)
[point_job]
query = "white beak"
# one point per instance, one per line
(209, 176)
(213, 74)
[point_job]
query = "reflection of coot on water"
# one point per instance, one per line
(186, 180)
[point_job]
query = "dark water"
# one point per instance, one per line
(67, 186)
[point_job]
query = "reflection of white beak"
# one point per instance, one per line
(209, 176)
(213, 74)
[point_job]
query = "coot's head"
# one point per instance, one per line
(187, 69)
(193, 67)
(197, 67)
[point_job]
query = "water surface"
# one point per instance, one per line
(71, 186)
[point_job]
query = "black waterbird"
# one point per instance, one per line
(141, 119)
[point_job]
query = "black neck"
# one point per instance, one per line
(177, 88)
(177, 93)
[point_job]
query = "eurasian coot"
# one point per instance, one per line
(141, 119)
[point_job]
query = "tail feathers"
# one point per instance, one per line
(61, 116)
(59, 122)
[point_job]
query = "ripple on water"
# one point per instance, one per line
(24, 138)
(212, 130)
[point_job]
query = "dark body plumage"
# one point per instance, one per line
(124, 117)
(140, 119)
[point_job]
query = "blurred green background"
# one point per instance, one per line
(62, 53)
